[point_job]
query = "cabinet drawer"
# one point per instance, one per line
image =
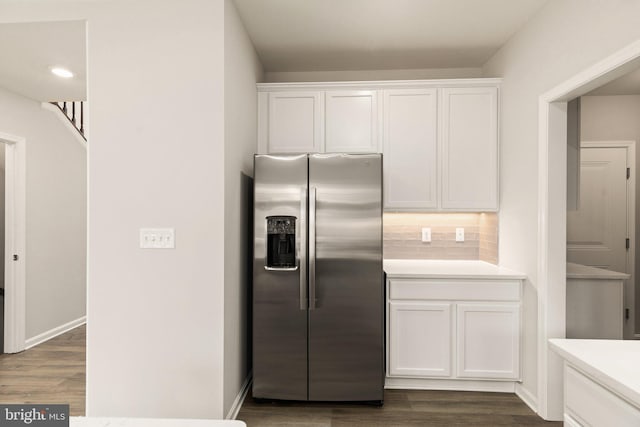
(444, 289)
(590, 404)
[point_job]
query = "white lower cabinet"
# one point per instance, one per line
(587, 403)
(420, 339)
(458, 334)
(488, 340)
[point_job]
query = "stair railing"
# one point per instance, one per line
(74, 111)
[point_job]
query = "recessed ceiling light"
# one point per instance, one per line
(62, 72)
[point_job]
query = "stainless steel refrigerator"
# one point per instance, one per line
(318, 293)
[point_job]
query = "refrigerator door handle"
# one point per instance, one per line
(312, 248)
(302, 250)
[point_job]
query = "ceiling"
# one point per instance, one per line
(323, 35)
(296, 35)
(29, 50)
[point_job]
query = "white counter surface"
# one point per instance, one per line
(613, 363)
(579, 271)
(150, 422)
(448, 269)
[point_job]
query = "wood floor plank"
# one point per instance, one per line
(52, 372)
(401, 408)
(485, 406)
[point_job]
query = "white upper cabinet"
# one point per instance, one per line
(351, 121)
(469, 135)
(292, 122)
(439, 138)
(410, 149)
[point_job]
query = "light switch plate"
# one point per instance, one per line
(157, 238)
(460, 234)
(426, 234)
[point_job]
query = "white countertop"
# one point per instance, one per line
(613, 363)
(150, 422)
(579, 271)
(418, 268)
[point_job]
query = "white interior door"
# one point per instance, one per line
(597, 232)
(15, 224)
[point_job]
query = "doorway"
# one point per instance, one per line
(14, 242)
(552, 214)
(600, 230)
(55, 298)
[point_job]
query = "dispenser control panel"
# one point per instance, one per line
(281, 242)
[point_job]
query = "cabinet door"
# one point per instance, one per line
(351, 121)
(295, 122)
(586, 399)
(420, 339)
(469, 147)
(410, 149)
(488, 341)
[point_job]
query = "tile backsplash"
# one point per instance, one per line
(403, 236)
(488, 224)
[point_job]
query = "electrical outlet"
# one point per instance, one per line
(157, 238)
(426, 234)
(460, 234)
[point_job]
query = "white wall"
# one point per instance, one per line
(363, 75)
(156, 76)
(156, 98)
(615, 118)
(563, 38)
(56, 177)
(610, 118)
(242, 70)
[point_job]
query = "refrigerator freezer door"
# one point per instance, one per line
(279, 293)
(346, 325)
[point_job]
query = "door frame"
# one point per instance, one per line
(15, 236)
(629, 294)
(552, 216)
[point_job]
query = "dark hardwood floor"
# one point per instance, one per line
(52, 372)
(401, 408)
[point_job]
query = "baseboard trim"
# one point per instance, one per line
(51, 333)
(448, 384)
(527, 397)
(242, 394)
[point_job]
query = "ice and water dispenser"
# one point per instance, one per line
(281, 243)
